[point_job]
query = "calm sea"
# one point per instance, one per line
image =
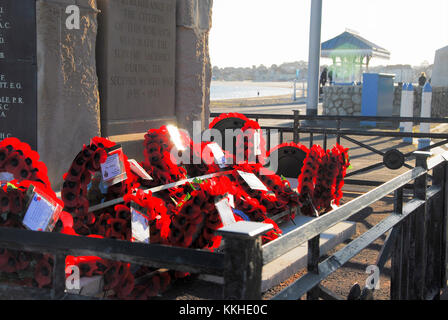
(219, 91)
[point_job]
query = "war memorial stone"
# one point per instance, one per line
(136, 53)
(147, 60)
(18, 71)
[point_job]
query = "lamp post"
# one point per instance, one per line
(314, 57)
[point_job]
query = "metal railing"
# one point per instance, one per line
(339, 133)
(416, 244)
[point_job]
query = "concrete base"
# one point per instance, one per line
(290, 263)
(89, 286)
(285, 266)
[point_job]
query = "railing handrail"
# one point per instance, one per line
(341, 118)
(280, 246)
(153, 255)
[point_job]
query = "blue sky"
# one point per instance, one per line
(254, 32)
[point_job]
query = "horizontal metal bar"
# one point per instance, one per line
(293, 239)
(387, 134)
(366, 133)
(363, 145)
(157, 189)
(152, 255)
(331, 264)
(341, 118)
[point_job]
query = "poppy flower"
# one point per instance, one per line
(111, 275)
(125, 286)
(4, 153)
(13, 161)
(87, 268)
(81, 228)
(23, 260)
(69, 197)
(139, 293)
(16, 205)
(11, 264)
(4, 201)
(153, 287)
(122, 212)
(117, 229)
(42, 273)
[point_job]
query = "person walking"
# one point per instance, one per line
(422, 79)
(330, 77)
(323, 80)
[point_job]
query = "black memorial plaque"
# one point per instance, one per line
(18, 71)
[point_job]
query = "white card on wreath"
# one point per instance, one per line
(41, 213)
(140, 226)
(253, 181)
(225, 211)
(111, 168)
(218, 154)
(138, 170)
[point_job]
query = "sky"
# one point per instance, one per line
(254, 32)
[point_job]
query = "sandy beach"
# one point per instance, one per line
(269, 100)
(278, 84)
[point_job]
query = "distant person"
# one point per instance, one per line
(330, 77)
(422, 79)
(258, 93)
(323, 80)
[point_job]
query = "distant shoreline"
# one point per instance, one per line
(279, 84)
(284, 99)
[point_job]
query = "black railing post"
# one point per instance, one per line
(420, 227)
(444, 257)
(338, 136)
(296, 136)
(243, 259)
(397, 261)
(313, 265)
(58, 289)
(436, 235)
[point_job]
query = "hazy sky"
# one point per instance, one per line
(254, 32)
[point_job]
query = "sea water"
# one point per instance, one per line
(221, 91)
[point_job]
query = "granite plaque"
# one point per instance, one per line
(136, 64)
(18, 71)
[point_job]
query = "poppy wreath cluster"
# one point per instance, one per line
(201, 160)
(106, 223)
(322, 178)
(158, 161)
(75, 193)
(245, 144)
(158, 283)
(328, 188)
(117, 276)
(18, 159)
(343, 163)
(196, 219)
(224, 116)
(280, 196)
(307, 179)
(13, 203)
